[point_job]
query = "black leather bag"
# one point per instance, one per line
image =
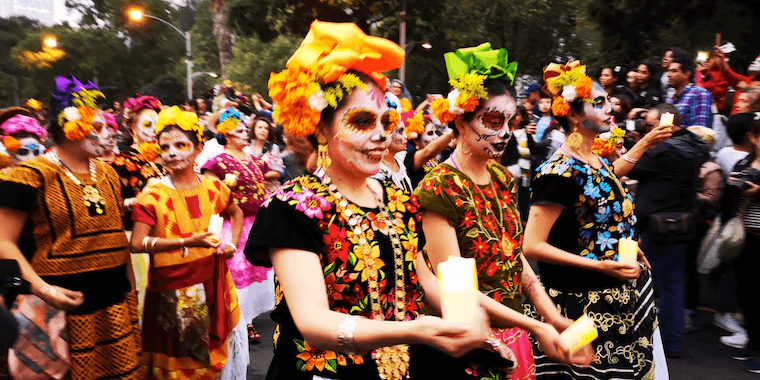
(676, 227)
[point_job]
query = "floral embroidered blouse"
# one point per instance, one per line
(304, 215)
(134, 172)
(597, 211)
(248, 190)
(487, 222)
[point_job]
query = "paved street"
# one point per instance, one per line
(704, 357)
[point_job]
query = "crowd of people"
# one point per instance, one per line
(141, 240)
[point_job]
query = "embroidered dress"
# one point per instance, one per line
(488, 227)
(399, 178)
(303, 215)
(191, 298)
(254, 284)
(73, 246)
(597, 211)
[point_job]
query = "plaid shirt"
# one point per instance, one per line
(695, 105)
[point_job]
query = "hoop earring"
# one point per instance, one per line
(323, 159)
(575, 139)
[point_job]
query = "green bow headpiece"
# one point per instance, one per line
(481, 60)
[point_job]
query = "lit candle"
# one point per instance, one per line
(579, 334)
(666, 119)
(215, 227)
(230, 179)
(459, 289)
(628, 250)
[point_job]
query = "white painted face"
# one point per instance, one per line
(30, 148)
(596, 116)
(398, 139)
(145, 126)
(429, 135)
(361, 131)
(487, 134)
(91, 144)
(177, 150)
(238, 136)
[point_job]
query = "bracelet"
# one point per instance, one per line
(346, 334)
(153, 243)
(231, 245)
(629, 159)
(145, 244)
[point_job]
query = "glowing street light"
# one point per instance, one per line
(50, 41)
(427, 46)
(135, 13)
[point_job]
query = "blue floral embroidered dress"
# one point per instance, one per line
(596, 213)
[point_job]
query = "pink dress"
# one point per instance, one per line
(254, 284)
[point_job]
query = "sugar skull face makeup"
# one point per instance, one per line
(597, 111)
(398, 139)
(361, 132)
(145, 126)
(430, 134)
(92, 142)
(238, 136)
(177, 150)
(30, 148)
(488, 132)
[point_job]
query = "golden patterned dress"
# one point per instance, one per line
(597, 211)
(190, 304)
(488, 227)
(74, 246)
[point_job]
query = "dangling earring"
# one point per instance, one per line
(323, 159)
(575, 139)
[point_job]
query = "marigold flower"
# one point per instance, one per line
(149, 151)
(11, 144)
(467, 103)
(583, 87)
(560, 107)
(441, 110)
(76, 130)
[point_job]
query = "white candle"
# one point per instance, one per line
(579, 334)
(459, 289)
(666, 119)
(215, 227)
(628, 250)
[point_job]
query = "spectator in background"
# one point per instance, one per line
(191, 105)
(630, 79)
(399, 89)
(201, 106)
(692, 102)
(667, 59)
(531, 97)
(544, 116)
(649, 93)
(748, 100)
(740, 82)
(668, 176)
(738, 128)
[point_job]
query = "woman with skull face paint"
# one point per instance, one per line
(21, 134)
(469, 207)
(244, 174)
(191, 297)
(423, 133)
(61, 214)
(344, 245)
(579, 212)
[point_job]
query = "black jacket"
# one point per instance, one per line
(668, 175)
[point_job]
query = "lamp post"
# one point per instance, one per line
(52, 42)
(199, 74)
(14, 82)
(407, 49)
(136, 14)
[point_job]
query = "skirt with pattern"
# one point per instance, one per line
(625, 318)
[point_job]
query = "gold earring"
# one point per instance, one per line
(323, 159)
(575, 139)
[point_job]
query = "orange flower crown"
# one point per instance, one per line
(566, 84)
(414, 124)
(325, 55)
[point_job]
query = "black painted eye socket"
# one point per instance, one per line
(599, 102)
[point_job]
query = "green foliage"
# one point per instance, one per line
(254, 60)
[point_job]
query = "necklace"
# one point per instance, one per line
(393, 361)
(92, 198)
(627, 204)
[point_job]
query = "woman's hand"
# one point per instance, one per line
(61, 298)
(618, 270)
(751, 189)
(582, 357)
(643, 259)
(507, 353)
(228, 251)
(658, 135)
(201, 240)
(452, 338)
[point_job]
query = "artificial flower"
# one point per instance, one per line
(415, 124)
(33, 104)
(467, 104)
(76, 130)
(393, 117)
(560, 107)
(317, 101)
(290, 90)
(11, 144)
(71, 114)
(22, 123)
(228, 125)
(149, 151)
(569, 94)
(441, 111)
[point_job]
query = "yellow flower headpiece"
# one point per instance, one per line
(468, 69)
(566, 84)
(228, 125)
(325, 55)
(186, 121)
(414, 124)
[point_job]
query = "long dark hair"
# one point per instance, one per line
(494, 87)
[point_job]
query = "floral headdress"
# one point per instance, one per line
(141, 102)
(566, 84)
(186, 121)
(468, 69)
(74, 103)
(414, 123)
(33, 104)
(607, 142)
(22, 123)
(229, 121)
(327, 52)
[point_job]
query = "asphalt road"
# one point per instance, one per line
(704, 357)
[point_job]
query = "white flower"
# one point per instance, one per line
(568, 93)
(605, 136)
(317, 101)
(71, 113)
(452, 98)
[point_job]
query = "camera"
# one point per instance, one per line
(746, 175)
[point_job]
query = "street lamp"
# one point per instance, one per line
(407, 49)
(137, 14)
(50, 41)
(202, 73)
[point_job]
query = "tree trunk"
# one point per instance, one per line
(223, 37)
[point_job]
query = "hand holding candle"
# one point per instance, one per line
(666, 119)
(459, 290)
(628, 251)
(580, 333)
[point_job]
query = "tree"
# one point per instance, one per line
(253, 60)
(223, 37)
